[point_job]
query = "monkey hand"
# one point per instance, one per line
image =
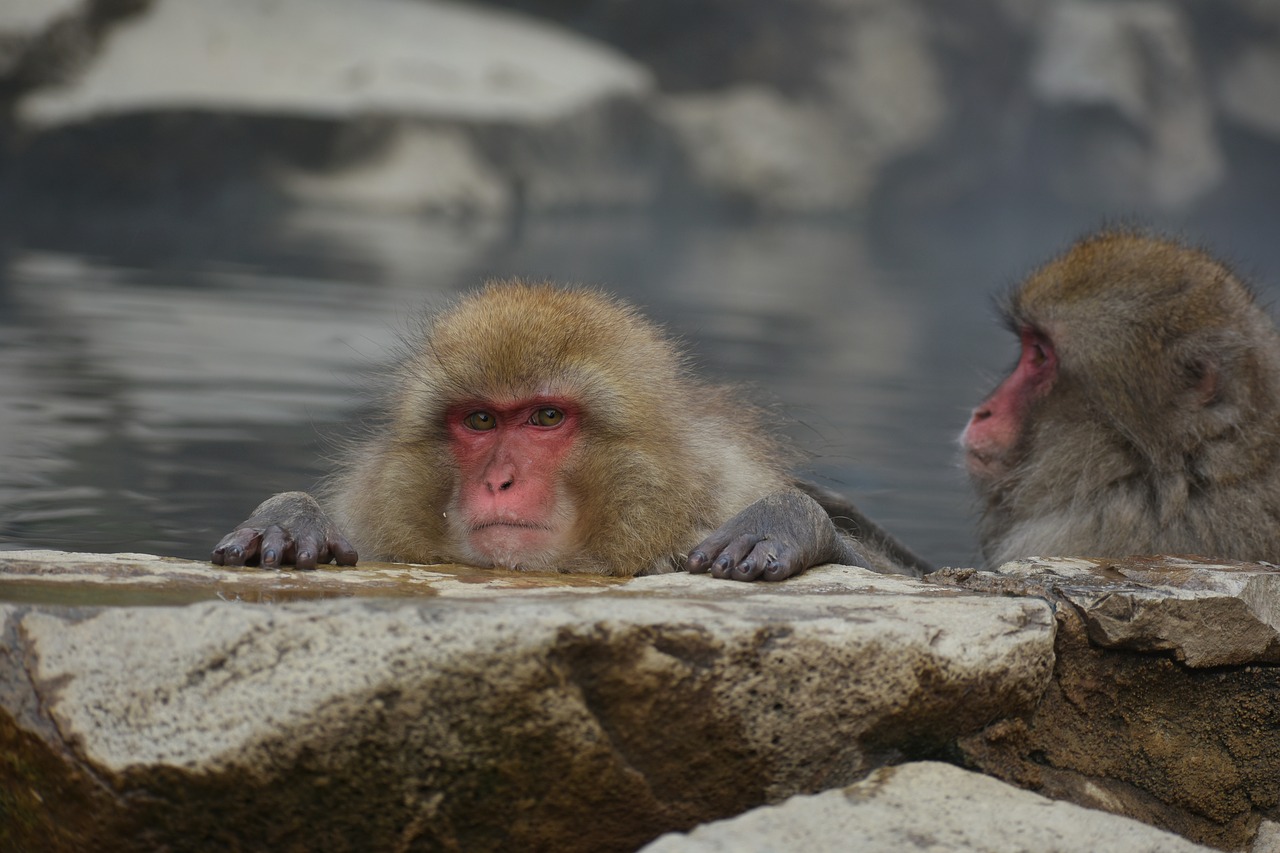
(287, 529)
(778, 536)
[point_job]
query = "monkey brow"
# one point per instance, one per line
(1013, 321)
(1006, 307)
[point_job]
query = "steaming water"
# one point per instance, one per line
(159, 374)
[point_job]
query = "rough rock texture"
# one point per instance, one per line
(925, 806)
(437, 713)
(1186, 738)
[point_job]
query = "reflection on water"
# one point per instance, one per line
(159, 377)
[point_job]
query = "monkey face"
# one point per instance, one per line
(511, 508)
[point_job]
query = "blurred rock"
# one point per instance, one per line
(797, 107)
(876, 97)
(347, 103)
(46, 41)
(327, 58)
(885, 85)
(1249, 89)
(418, 170)
(926, 806)
(1127, 115)
(753, 149)
(145, 703)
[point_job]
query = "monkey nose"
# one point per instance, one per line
(500, 483)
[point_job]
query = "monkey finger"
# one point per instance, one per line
(786, 563)
(238, 548)
(310, 552)
(751, 566)
(343, 553)
(276, 547)
(705, 552)
(733, 554)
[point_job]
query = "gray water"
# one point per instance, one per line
(162, 372)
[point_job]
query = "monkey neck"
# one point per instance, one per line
(1222, 501)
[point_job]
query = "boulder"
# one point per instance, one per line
(926, 806)
(1248, 90)
(1126, 116)
(149, 703)
(327, 58)
(1162, 703)
(755, 149)
(386, 105)
(876, 97)
(46, 41)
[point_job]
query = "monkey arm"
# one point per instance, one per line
(287, 529)
(847, 517)
(778, 536)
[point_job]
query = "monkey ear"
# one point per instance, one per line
(1205, 382)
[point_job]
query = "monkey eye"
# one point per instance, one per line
(1038, 355)
(1037, 351)
(480, 421)
(547, 417)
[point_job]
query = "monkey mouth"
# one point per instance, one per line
(982, 465)
(511, 543)
(499, 523)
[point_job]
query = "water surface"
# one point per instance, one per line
(161, 373)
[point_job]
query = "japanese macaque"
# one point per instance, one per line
(1142, 417)
(540, 428)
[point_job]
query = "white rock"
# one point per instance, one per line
(651, 703)
(930, 807)
(333, 58)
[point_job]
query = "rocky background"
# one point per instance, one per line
(802, 107)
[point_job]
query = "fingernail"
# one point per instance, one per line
(269, 556)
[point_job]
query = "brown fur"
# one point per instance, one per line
(1161, 432)
(660, 461)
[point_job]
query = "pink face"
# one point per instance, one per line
(997, 423)
(511, 509)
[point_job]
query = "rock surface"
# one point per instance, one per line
(1208, 614)
(419, 708)
(1162, 705)
(926, 806)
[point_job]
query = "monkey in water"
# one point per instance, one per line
(1142, 417)
(533, 427)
